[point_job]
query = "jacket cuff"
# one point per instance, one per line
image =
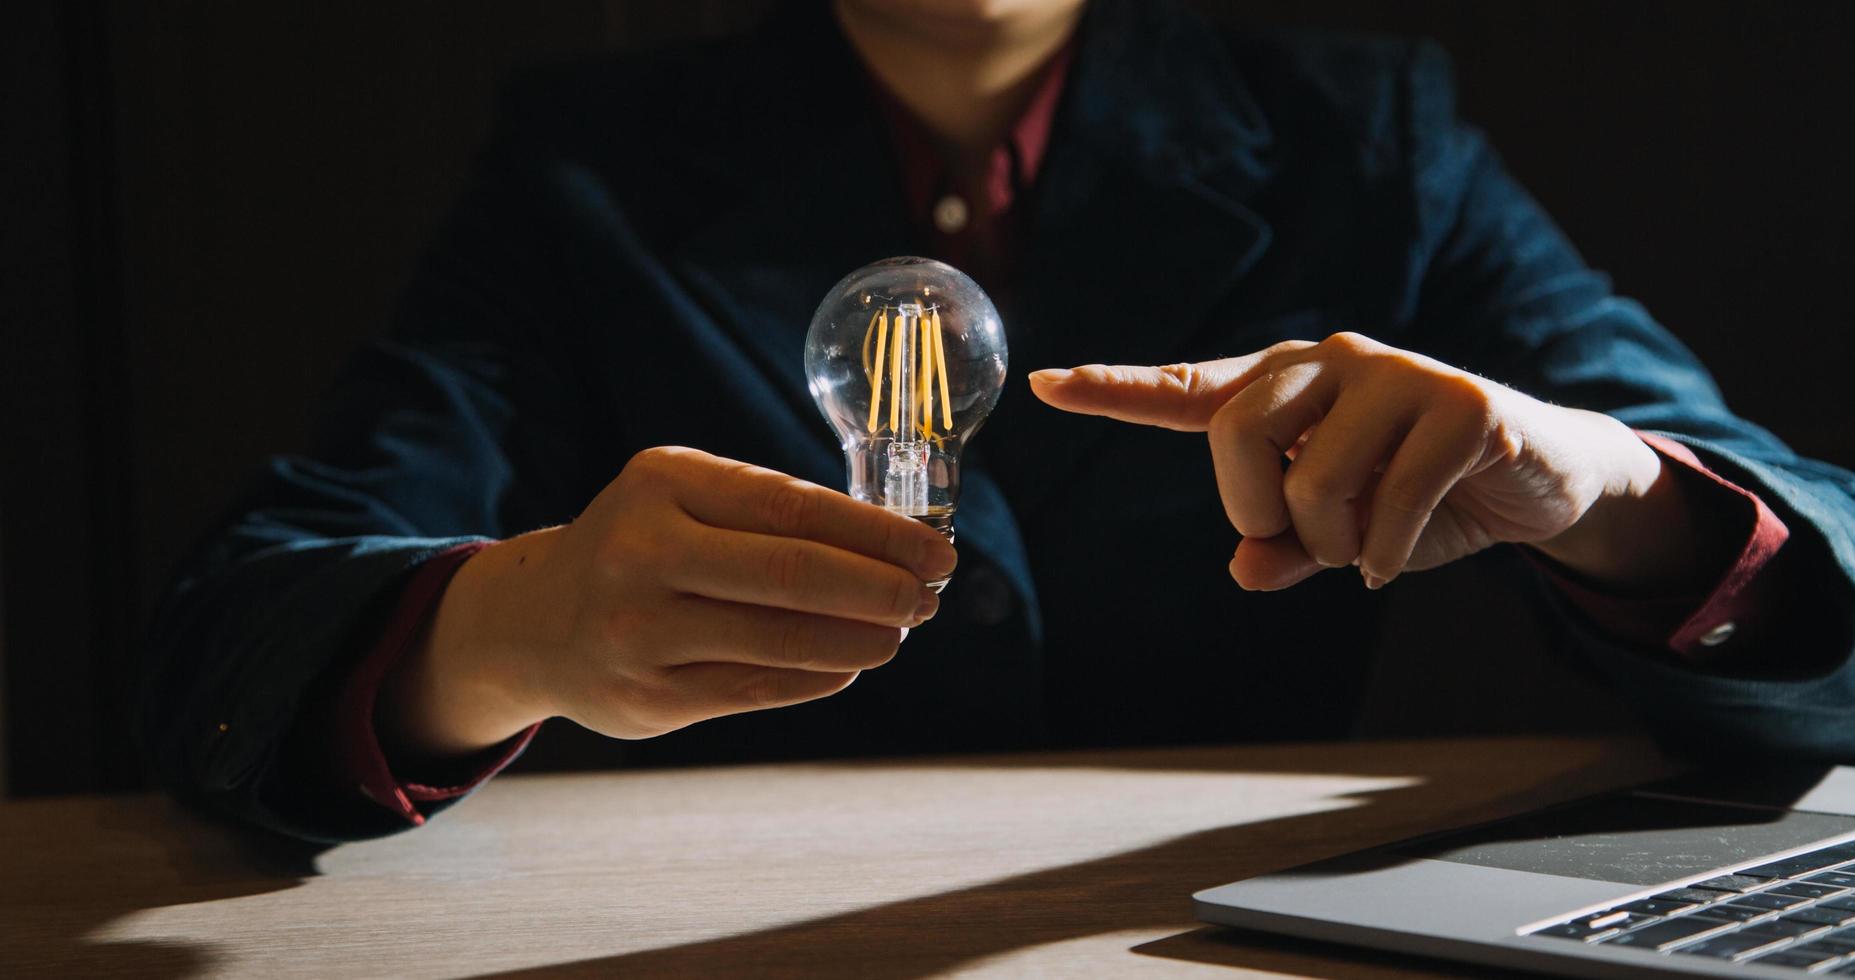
(1698, 626)
(360, 762)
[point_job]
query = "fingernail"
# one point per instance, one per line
(1372, 581)
(1052, 375)
(904, 632)
(930, 604)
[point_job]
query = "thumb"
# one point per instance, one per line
(1173, 396)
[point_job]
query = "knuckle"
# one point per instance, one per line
(905, 595)
(764, 689)
(1183, 378)
(1466, 398)
(1309, 486)
(654, 468)
(1229, 422)
(1400, 498)
(797, 640)
(1286, 347)
(898, 540)
(1351, 342)
(787, 507)
(789, 567)
(645, 460)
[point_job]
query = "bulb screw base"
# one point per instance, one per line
(942, 523)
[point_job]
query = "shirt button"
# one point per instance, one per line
(951, 214)
(986, 595)
(1718, 635)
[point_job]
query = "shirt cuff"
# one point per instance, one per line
(1694, 626)
(360, 761)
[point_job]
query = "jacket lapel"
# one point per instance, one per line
(1141, 225)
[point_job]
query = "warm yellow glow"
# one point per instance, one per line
(895, 376)
(924, 380)
(929, 363)
(875, 375)
(940, 371)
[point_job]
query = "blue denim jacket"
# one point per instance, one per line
(636, 263)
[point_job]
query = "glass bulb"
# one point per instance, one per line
(906, 358)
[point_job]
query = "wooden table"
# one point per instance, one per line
(1046, 865)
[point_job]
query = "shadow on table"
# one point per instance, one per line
(77, 865)
(1144, 889)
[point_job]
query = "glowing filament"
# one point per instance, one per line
(874, 373)
(940, 371)
(895, 373)
(924, 378)
(912, 343)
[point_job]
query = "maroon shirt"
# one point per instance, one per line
(973, 222)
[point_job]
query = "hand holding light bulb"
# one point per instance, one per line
(691, 587)
(906, 358)
(695, 586)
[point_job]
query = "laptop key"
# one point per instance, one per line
(1766, 900)
(1575, 930)
(1732, 911)
(1655, 906)
(1818, 915)
(1840, 879)
(1841, 937)
(1729, 946)
(1788, 928)
(1592, 927)
(1802, 889)
(1799, 864)
(1791, 958)
(1696, 896)
(1669, 932)
(1782, 869)
(1731, 883)
(1821, 950)
(1843, 902)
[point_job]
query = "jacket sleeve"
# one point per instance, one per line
(462, 423)
(1495, 288)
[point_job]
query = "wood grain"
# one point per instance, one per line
(1052, 865)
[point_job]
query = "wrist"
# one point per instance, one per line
(1641, 531)
(466, 683)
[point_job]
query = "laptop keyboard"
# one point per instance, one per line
(1798, 912)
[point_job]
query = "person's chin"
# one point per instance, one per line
(957, 15)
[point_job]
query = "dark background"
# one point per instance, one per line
(209, 203)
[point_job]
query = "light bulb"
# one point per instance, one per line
(906, 358)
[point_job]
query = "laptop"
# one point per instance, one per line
(1723, 874)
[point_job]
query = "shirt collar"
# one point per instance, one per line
(1012, 165)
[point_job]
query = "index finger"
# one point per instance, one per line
(741, 497)
(1173, 396)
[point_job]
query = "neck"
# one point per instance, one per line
(967, 80)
